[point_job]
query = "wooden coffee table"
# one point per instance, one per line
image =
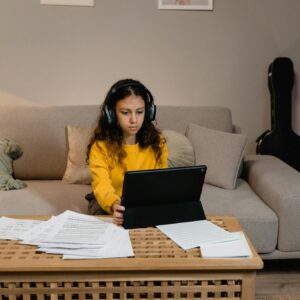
(159, 270)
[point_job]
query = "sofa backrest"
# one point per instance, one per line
(41, 131)
(179, 117)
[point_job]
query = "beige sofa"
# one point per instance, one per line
(266, 200)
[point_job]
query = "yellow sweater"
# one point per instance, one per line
(107, 179)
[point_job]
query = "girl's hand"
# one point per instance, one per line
(118, 210)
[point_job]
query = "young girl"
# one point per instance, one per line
(125, 139)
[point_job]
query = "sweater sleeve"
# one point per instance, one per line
(101, 178)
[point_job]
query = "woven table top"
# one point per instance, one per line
(153, 251)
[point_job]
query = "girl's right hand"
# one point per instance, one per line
(118, 210)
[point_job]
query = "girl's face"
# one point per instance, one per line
(130, 113)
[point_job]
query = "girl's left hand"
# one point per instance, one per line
(118, 210)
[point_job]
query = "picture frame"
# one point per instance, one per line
(68, 2)
(186, 4)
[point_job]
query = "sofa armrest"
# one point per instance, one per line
(278, 185)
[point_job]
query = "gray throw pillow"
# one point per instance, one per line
(221, 152)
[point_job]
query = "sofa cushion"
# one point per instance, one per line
(221, 152)
(256, 218)
(180, 149)
(45, 197)
(78, 170)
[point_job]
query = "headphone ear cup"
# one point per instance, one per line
(152, 112)
(151, 106)
(109, 115)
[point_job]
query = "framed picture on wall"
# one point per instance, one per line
(186, 4)
(69, 2)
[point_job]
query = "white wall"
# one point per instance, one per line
(61, 55)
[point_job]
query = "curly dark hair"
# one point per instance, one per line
(111, 133)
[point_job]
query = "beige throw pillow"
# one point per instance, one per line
(221, 152)
(181, 152)
(77, 170)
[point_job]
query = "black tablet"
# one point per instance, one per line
(163, 196)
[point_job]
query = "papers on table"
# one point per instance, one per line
(118, 246)
(192, 234)
(12, 229)
(70, 227)
(229, 249)
(207, 236)
(78, 236)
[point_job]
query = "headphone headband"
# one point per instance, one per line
(116, 87)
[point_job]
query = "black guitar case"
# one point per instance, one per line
(281, 141)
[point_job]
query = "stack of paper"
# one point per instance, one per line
(76, 236)
(212, 240)
(12, 229)
(230, 249)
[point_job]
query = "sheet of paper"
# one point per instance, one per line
(12, 229)
(99, 251)
(230, 249)
(36, 234)
(67, 245)
(119, 246)
(192, 234)
(71, 227)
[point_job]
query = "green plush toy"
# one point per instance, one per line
(9, 151)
